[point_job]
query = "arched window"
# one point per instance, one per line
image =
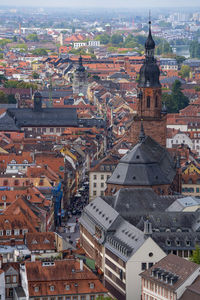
(148, 101)
(156, 101)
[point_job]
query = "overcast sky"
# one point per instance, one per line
(102, 3)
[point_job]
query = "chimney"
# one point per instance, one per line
(81, 265)
(147, 227)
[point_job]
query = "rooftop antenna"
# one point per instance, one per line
(149, 17)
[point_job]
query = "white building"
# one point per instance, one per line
(94, 43)
(2, 283)
(79, 45)
(178, 139)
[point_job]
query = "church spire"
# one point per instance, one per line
(80, 67)
(142, 133)
(149, 44)
(149, 72)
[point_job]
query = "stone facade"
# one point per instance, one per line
(153, 127)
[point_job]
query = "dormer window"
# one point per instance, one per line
(52, 288)
(13, 161)
(8, 232)
(25, 161)
(3, 197)
(187, 243)
(16, 232)
(168, 242)
(67, 287)
(34, 242)
(36, 289)
(92, 285)
(177, 243)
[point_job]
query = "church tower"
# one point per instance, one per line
(80, 83)
(149, 98)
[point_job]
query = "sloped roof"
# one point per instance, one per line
(45, 117)
(175, 265)
(147, 163)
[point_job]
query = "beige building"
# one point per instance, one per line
(99, 175)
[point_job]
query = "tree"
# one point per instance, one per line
(20, 84)
(197, 88)
(185, 71)
(35, 75)
(2, 78)
(163, 47)
(180, 59)
(194, 49)
(103, 38)
(4, 42)
(40, 52)
(176, 100)
(196, 255)
(32, 37)
(116, 39)
(3, 98)
(14, 39)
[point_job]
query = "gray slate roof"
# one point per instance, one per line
(47, 117)
(119, 236)
(147, 163)
(128, 200)
(7, 123)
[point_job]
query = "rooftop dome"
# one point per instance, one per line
(149, 75)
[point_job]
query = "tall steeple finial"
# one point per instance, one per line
(142, 133)
(150, 44)
(149, 18)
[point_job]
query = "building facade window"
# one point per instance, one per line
(156, 101)
(16, 231)
(143, 266)
(94, 177)
(7, 279)
(148, 101)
